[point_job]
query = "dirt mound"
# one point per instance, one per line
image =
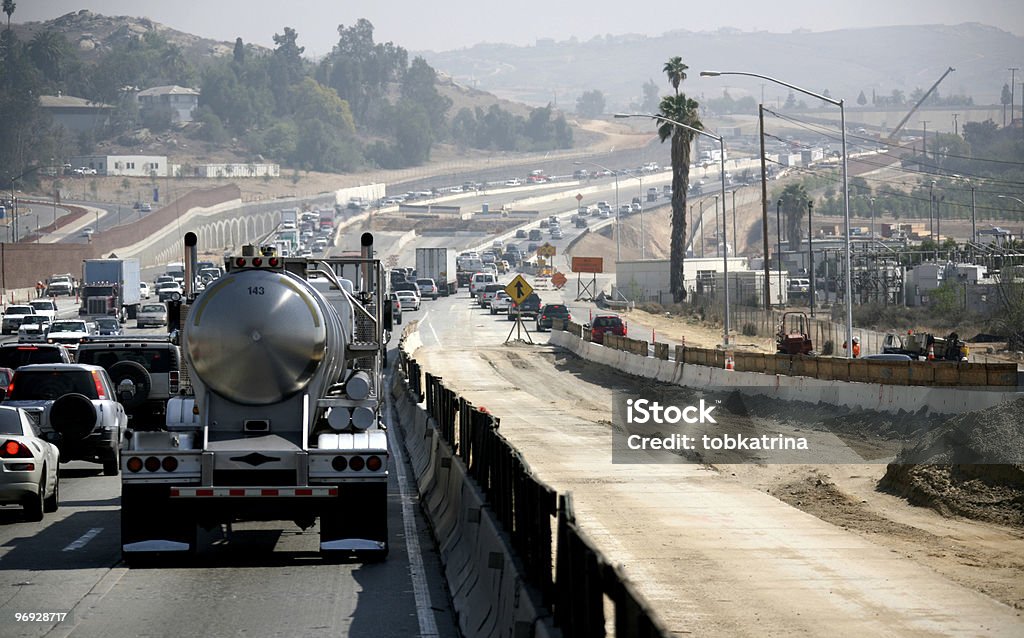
(971, 466)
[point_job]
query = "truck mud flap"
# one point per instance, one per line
(357, 523)
(151, 523)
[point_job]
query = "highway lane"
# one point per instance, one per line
(261, 579)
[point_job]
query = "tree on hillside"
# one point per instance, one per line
(862, 99)
(590, 103)
(651, 97)
(681, 109)
(238, 55)
(50, 52)
(419, 86)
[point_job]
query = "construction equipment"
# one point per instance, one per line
(924, 345)
(893, 136)
(794, 334)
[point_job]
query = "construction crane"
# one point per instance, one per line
(895, 132)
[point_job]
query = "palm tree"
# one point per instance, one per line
(49, 50)
(682, 109)
(794, 202)
(9, 9)
(676, 72)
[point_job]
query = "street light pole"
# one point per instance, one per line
(846, 185)
(735, 237)
(718, 234)
(872, 217)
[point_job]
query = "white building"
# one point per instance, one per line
(126, 165)
(183, 101)
(235, 170)
(649, 279)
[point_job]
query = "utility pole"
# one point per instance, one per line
(764, 211)
(1013, 72)
(974, 218)
(810, 249)
(924, 139)
(778, 233)
(956, 127)
(872, 218)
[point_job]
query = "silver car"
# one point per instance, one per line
(151, 314)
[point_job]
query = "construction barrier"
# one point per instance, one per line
(492, 519)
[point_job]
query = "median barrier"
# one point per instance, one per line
(858, 371)
(1001, 374)
(661, 351)
(492, 519)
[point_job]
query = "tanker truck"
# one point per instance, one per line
(282, 418)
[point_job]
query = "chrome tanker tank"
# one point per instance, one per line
(258, 336)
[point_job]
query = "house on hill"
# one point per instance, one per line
(183, 101)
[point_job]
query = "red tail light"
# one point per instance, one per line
(274, 261)
(152, 464)
(173, 381)
(169, 464)
(135, 464)
(256, 261)
(16, 450)
(240, 262)
(100, 392)
(357, 463)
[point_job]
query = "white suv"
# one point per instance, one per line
(79, 403)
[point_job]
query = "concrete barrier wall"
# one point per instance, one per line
(483, 575)
(929, 373)
(771, 384)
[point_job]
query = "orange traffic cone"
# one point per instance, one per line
(729, 365)
(931, 353)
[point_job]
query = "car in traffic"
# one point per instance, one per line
(144, 290)
(479, 281)
(487, 294)
(15, 355)
(521, 233)
(601, 325)
(167, 290)
(79, 403)
(408, 299)
(31, 465)
(888, 357)
(427, 287)
(556, 233)
(535, 235)
(13, 316)
(396, 308)
(86, 232)
(5, 379)
(529, 308)
(146, 207)
(501, 302)
(145, 372)
(108, 326)
(44, 307)
(60, 288)
(33, 329)
(70, 332)
(151, 315)
(549, 312)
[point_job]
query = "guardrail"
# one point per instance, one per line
(523, 507)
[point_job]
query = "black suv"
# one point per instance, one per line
(146, 372)
(529, 308)
(15, 355)
(552, 311)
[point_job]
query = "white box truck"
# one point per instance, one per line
(439, 265)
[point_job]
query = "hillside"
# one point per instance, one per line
(844, 62)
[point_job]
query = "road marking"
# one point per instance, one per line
(426, 320)
(417, 573)
(84, 539)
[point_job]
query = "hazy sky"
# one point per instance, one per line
(452, 24)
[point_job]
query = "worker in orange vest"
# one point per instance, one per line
(856, 347)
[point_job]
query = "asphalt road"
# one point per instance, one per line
(261, 579)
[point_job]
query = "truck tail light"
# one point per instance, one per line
(169, 464)
(357, 463)
(339, 463)
(374, 463)
(173, 380)
(134, 464)
(152, 464)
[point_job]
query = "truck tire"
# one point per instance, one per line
(73, 416)
(112, 466)
(138, 375)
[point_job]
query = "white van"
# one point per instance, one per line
(480, 281)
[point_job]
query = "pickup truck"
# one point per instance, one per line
(45, 307)
(13, 316)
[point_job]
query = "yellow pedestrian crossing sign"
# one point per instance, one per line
(519, 289)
